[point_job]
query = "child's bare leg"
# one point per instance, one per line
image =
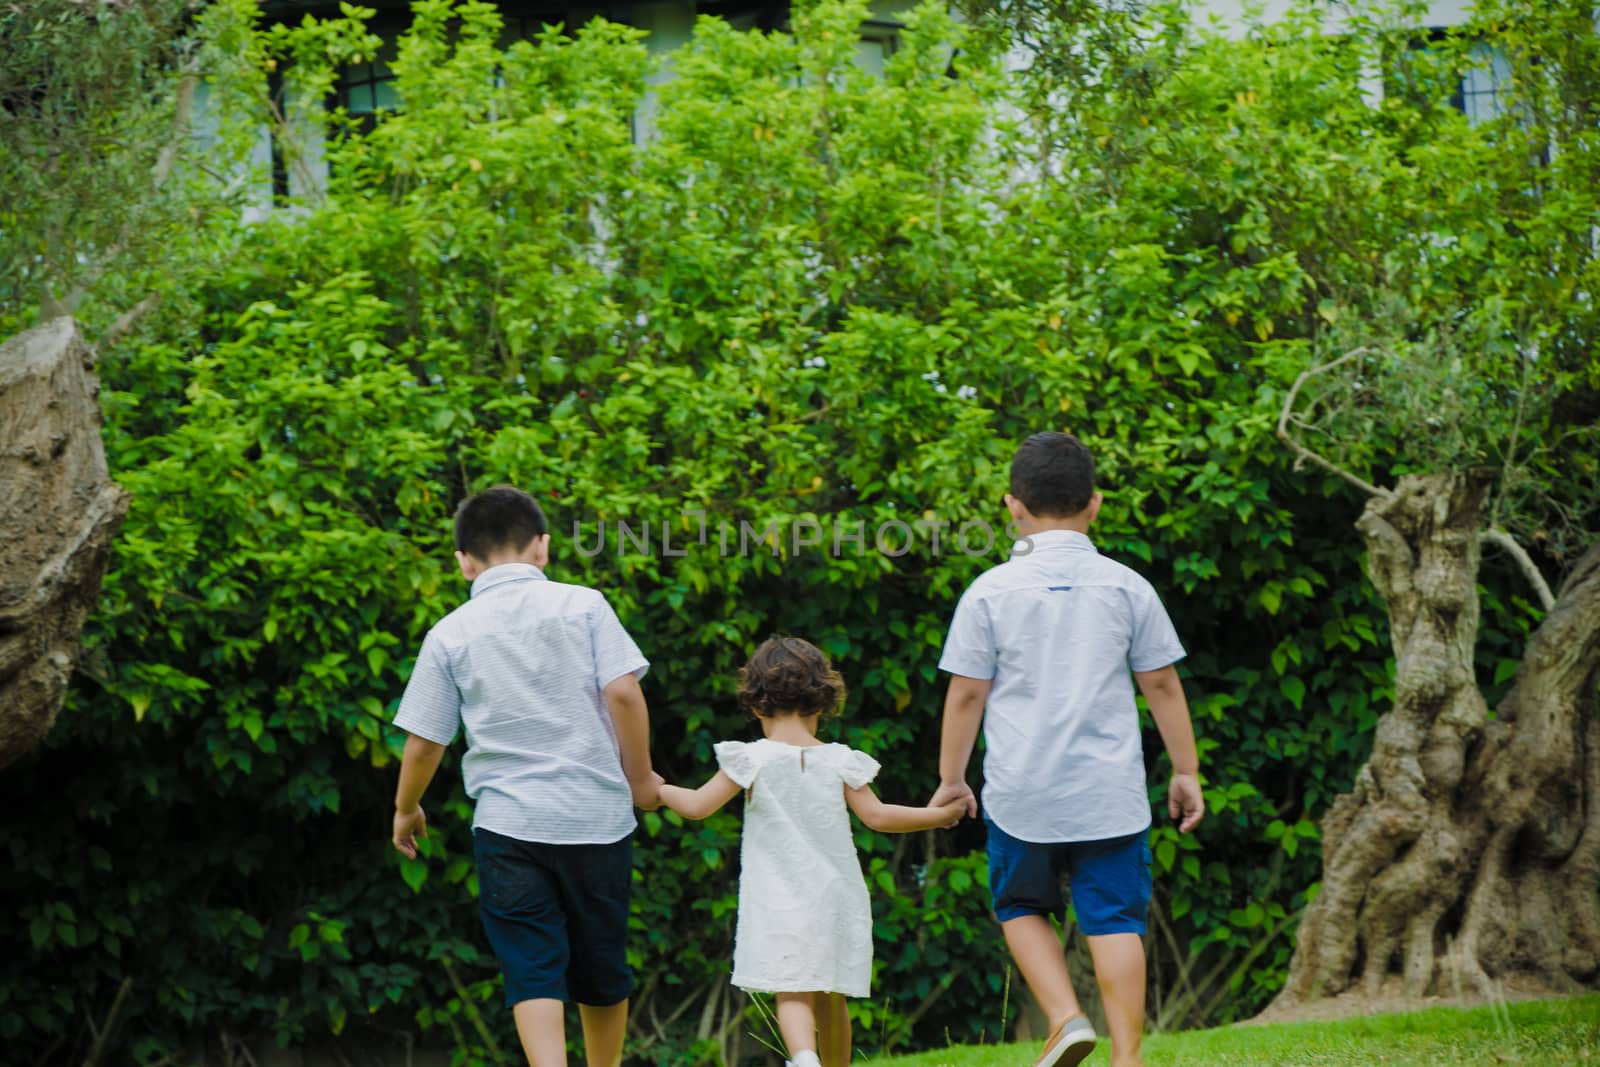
(797, 1021)
(1037, 950)
(1119, 968)
(603, 1030)
(542, 1026)
(833, 1029)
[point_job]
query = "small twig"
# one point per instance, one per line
(472, 1013)
(104, 1036)
(903, 1027)
(1302, 451)
(455, 1031)
(1530, 570)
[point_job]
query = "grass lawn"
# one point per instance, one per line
(1555, 1032)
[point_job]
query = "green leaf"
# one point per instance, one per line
(415, 873)
(1293, 689)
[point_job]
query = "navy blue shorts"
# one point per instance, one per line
(557, 917)
(1110, 880)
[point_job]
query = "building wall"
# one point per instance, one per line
(1235, 16)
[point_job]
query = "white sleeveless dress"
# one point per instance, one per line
(805, 922)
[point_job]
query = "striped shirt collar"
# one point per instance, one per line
(1070, 540)
(504, 573)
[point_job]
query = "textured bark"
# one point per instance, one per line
(59, 511)
(1468, 850)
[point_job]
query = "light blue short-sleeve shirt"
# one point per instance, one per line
(1059, 628)
(521, 667)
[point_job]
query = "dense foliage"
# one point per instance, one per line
(812, 299)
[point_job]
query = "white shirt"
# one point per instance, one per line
(521, 665)
(1058, 627)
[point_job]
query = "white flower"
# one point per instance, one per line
(967, 392)
(939, 388)
(931, 376)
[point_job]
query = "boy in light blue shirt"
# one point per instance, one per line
(545, 682)
(1044, 652)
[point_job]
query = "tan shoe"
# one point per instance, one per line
(1068, 1043)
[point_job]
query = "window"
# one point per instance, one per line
(367, 88)
(1482, 95)
(877, 44)
(1477, 88)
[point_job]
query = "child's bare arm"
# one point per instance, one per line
(963, 715)
(703, 802)
(418, 765)
(630, 717)
(900, 818)
(1163, 691)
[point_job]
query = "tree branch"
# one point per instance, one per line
(182, 119)
(1528, 356)
(125, 322)
(1305, 454)
(1530, 570)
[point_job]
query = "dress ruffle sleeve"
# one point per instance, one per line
(858, 768)
(735, 760)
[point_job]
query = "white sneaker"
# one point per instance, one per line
(1068, 1043)
(805, 1058)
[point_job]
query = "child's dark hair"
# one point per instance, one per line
(502, 519)
(1053, 475)
(788, 675)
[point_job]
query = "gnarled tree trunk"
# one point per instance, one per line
(59, 511)
(1469, 848)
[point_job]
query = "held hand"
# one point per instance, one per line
(955, 793)
(1185, 802)
(647, 793)
(953, 813)
(408, 826)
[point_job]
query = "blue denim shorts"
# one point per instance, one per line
(1110, 880)
(557, 917)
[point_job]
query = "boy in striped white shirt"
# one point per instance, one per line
(1044, 653)
(545, 682)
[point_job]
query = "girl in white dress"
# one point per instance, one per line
(804, 931)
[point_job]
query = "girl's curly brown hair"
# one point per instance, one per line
(790, 676)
